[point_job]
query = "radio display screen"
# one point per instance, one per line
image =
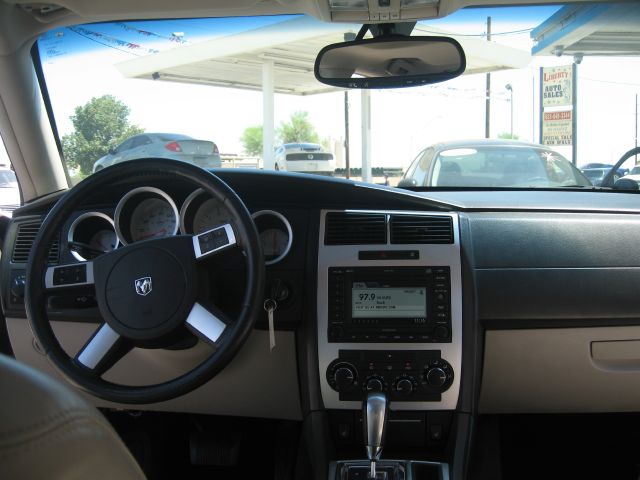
(387, 302)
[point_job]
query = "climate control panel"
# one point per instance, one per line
(405, 375)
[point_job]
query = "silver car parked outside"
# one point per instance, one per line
(203, 153)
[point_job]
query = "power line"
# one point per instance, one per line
(101, 43)
(629, 84)
(479, 35)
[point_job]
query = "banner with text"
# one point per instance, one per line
(557, 86)
(557, 128)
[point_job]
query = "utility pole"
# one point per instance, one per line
(636, 127)
(574, 113)
(347, 164)
(487, 120)
(510, 88)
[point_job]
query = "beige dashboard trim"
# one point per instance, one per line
(257, 382)
(561, 370)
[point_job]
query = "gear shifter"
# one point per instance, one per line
(374, 419)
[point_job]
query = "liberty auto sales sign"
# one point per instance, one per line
(557, 86)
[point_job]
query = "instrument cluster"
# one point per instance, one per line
(147, 213)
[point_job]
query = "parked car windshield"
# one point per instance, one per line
(241, 93)
(8, 179)
(500, 166)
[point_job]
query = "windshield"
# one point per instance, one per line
(241, 93)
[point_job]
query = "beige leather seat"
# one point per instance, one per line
(48, 432)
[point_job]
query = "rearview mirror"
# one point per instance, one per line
(626, 184)
(407, 183)
(390, 61)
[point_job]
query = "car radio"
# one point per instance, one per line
(389, 304)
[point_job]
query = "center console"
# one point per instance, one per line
(389, 312)
(390, 324)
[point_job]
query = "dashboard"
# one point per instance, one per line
(488, 318)
(145, 213)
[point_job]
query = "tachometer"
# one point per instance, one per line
(211, 213)
(200, 213)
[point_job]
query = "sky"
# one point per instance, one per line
(79, 64)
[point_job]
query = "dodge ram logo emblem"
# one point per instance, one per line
(143, 286)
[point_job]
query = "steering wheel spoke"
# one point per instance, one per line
(103, 350)
(207, 323)
(72, 275)
(213, 241)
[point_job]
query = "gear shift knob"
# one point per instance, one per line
(374, 419)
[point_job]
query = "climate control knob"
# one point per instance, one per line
(438, 375)
(404, 386)
(342, 376)
(375, 384)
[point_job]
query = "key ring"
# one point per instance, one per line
(270, 305)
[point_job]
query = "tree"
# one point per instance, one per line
(252, 140)
(298, 129)
(99, 125)
(507, 136)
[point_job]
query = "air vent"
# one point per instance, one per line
(27, 233)
(347, 228)
(412, 229)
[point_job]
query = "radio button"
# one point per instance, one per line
(336, 331)
(442, 332)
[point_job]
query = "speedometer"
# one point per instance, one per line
(152, 218)
(145, 213)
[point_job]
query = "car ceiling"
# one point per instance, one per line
(21, 20)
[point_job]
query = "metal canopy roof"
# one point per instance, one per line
(292, 45)
(599, 29)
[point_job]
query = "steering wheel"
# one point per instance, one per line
(608, 180)
(147, 291)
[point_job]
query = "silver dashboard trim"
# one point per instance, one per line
(156, 191)
(80, 219)
(287, 225)
(185, 206)
(430, 255)
(48, 277)
(196, 242)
